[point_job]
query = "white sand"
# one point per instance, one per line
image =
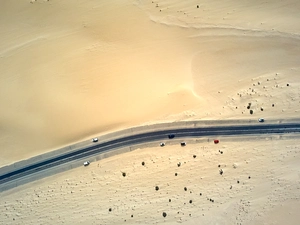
(84, 195)
(70, 70)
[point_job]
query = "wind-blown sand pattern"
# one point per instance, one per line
(71, 70)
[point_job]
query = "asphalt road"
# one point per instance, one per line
(86, 152)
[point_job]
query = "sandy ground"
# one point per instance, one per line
(259, 185)
(70, 70)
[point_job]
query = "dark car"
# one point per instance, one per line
(171, 136)
(183, 144)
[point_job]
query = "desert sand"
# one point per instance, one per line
(71, 70)
(259, 184)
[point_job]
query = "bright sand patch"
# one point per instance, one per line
(259, 184)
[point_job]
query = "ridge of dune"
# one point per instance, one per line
(64, 73)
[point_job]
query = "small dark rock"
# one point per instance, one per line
(124, 174)
(221, 172)
(109, 209)
(156, 188)
(176, 174)
(185, 188)
(194, 156)
(164, 214)
(143, 163)
(190, 201)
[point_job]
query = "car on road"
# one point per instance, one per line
(182, 143)
(162, 144)
(95, 140)
(170, 136)
(261, 120)
(86, 163)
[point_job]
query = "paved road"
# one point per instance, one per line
(86, 152)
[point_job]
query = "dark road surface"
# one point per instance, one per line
(83, 153)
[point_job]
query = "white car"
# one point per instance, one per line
(95, 139)
(86, 163)
(261, 120)
(162, 144)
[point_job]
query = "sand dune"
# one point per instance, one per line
(73, 70)
(70, 70)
